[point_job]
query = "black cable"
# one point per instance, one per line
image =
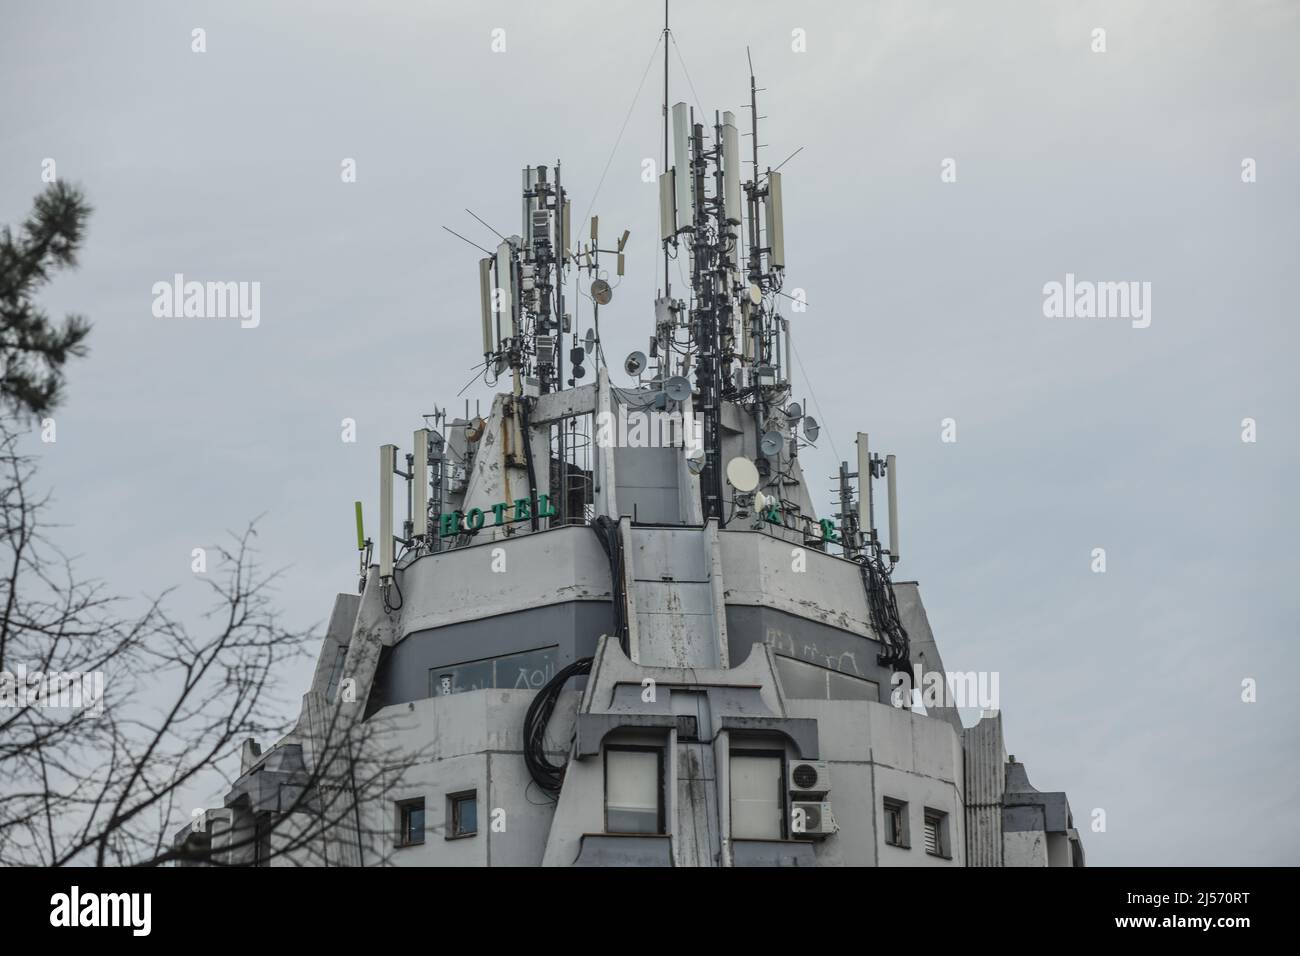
(885, 619)
(528, 461)
(607, 530)
(549, 776)
(400, 597)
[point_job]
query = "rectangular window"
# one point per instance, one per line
(896, 823)
(803, 681)
(936, 832)
(410, 822)
(459, 679)
(462, 814)
(634, 790)
(528, 670)
(757, 795)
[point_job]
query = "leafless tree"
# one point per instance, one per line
(107, 778)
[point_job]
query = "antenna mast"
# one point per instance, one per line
(667, 282)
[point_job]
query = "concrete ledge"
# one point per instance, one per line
(800, 731)
(772, 853)
(593, 728)
(624, 849)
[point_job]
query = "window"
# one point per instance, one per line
(462, 814)
(634, 790)
(410, 822)
(936, 832)
(529, 670)
(805, 681)
(757, 795)
(896, 823)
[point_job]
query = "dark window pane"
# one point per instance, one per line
(461, 678)
(465, 816)
(527, 671)
(843, 687)
(800, 680)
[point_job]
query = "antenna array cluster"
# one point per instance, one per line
(521, 289)
(737, 342)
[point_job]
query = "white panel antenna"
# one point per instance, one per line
(387, 455)
(563, 242)
(682, 177)
(529, 180)
(731, 202)
(420, 484)
(667, 214)
(485, 300)
(864, 485)
(775, 223)
(506, 283)
(891, 470)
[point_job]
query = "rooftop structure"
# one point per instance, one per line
(603, 624)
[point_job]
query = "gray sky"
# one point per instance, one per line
(925, 303)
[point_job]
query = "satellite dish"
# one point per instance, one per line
(763, 502)
(695, 460)
(755, 294)
(770, 443)
(794, 411)
(635, 363)
(742, 475)
(601, 292)
(590, 342)
(678, 388)
(810, 428)
(474, 430)
(579, 371)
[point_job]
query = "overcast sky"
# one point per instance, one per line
(925, 302)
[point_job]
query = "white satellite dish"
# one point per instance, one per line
(635, 363)
(742, 475)
(590, 342)
(810, 428)
(678, 388)
(601, 292)
(755, 294)
(763, 502)
(695, 460)
(770, 443)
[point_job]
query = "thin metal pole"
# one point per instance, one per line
(667, 283)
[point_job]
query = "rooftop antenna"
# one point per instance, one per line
(664, 169)
(588, 260)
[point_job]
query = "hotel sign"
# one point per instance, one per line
(502, 513)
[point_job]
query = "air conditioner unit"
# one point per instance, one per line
(811, 820)
(809, 776)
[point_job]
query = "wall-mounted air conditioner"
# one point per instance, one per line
(811, 820)
(809, 777)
